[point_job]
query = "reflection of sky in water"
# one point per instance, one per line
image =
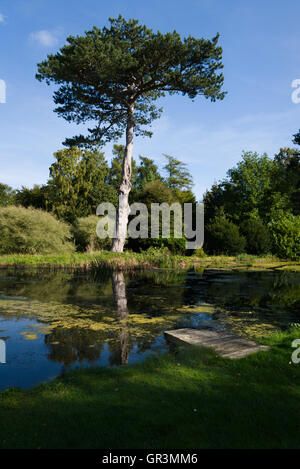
(27, 361)
(53, 322)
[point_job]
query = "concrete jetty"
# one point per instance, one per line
(225, 343)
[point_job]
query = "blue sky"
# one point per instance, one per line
(260, 40)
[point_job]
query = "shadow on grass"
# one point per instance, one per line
(192, 400)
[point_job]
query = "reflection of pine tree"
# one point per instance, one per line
(120, 353)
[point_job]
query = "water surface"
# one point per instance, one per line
(54, 321)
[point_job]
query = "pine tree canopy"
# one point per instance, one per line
(105, 71)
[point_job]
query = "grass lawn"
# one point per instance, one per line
(193, 400)
(130, 260)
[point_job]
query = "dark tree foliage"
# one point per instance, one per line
(6, 195)
(296, 138)
(254, 196)
(157, 192)
(147, 171)
(248, 190)
(287, 179)
(223, 237)
(257, 236)
(36, 197)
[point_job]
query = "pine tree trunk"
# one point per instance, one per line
(125, 187)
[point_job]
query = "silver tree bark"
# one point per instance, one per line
(125, 187)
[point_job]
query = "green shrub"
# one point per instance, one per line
(85, 236)
(285, 232)
(160, 257)
(174, 245)
(31, 231)
(223, 237)
(199, 252)
(257, 236)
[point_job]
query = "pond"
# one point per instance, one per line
(52, 321)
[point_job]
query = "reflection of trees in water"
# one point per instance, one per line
(278, 293)
(239, 289)
(68, 346)
(286, 291)
(149, 295)
(242, 288)
(258, 290)
(161, 278)
(62, 286)
(155, 292)
(73, 344)
(120, 346)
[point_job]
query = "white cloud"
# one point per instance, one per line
(45, 38)
(2, 18)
